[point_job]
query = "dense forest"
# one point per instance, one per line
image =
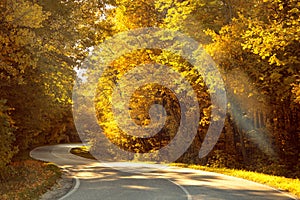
(254, 43)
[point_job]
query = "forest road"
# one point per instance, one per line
(95, 180)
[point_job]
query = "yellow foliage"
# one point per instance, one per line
(296, 91)
(17, 35)
(23, 13)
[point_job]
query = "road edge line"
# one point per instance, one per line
(189, 197)
(74, 189)
(76, 186)
(285, 193)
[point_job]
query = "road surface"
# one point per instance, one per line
(96, 180)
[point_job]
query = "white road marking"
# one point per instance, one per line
(74, 189)
(39, 155)
(188, 195)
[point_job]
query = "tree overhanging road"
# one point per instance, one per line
(96, 180)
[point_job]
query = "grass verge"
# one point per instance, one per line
(28, 179)
(281, 183)
(284, 184)
(82, 151)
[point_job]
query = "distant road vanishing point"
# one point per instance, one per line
(127, 181)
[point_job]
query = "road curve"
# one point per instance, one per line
(96, 180)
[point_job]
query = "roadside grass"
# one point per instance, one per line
(27, 178)
(82, 151)
(289, 185)
(281, 183)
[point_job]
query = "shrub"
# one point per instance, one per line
(7, 150)
(222, 159)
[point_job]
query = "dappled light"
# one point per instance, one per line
(145, 83)
(129, 178)
(139, 187)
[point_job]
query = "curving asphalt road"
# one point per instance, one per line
(96, 180)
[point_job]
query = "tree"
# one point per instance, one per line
(38, 57)
(262, 47)
(129, 16)
(7, 150)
